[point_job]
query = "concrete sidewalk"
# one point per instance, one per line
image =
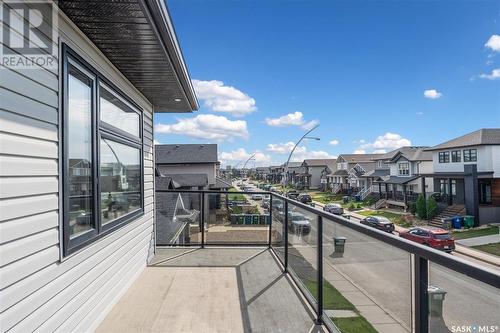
(479, 240)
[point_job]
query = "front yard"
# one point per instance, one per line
(476, 232)
(492, 248)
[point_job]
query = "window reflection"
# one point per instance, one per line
(117, 113)
(80, 152)
(120, 180)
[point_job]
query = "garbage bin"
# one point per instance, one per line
(345, 199)
(338, 244)
(436, 298)
(357, 197)
(468, 221)
(446, 223)
(457, 222)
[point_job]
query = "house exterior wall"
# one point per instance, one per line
(315, 176)
(487, 160)
(206, 168)
(39, 289)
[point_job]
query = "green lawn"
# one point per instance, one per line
(325, 197)
(393, 217)
(492, 248)
(332, 298)
(492, 230)
(354, 325)
(236, 196)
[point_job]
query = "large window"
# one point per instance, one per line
(455, 156)
(470, 155)
(404, 169)
(103, 166)
(485, 192)
(444, 157)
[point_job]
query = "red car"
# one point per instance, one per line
(436, 238)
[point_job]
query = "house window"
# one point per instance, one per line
(404, 169)
(444, 157)
(456, 156)
(485, 192)
(379, 164)
(103, 169)
(470, 155)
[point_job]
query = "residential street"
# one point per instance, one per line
(383, 274)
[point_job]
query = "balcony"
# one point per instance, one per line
(260, 262)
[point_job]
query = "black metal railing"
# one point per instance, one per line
(337, 261)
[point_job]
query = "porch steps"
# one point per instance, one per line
(379, 204)
(448, 212)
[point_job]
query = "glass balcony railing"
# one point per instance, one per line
(356, 278)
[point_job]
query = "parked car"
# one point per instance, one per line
(298, 223)
(256, 196)
(334, 208)
(436, 238)
(265, 203)
(379, 222)
(292, 194)
(304, 198)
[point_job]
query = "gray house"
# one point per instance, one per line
(77, 171)
(316, 171)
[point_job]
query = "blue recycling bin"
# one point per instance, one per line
(357, 197)
(457, 222)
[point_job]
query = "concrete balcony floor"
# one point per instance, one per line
(211, 290)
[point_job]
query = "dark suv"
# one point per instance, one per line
(304, 198)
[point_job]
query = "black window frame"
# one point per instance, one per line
(444, 157)
(456, 156)
(99, 130)
(470, 155)
(482, 184)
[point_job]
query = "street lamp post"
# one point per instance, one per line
(298, 142)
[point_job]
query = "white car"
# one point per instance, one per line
(256, 196)
(298, 223)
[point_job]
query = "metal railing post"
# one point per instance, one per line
(270, 219)
(421, 303)
(202, 220)
(285, 207)
(319, 319)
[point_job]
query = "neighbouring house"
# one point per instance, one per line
(396, 175)
(349, 169)
(276, 174)
(466, 171)
(262, 172)
(292, 170)
(198, 162)
(185, 167)
(316, 171)
(77, 169)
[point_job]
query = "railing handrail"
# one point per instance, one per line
(471, 269)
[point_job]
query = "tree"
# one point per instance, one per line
(432, 208)
(421, 207)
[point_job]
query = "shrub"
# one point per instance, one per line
(351, 206)
(359, 206)
(432, 208)
(413, 208)
(420, 208)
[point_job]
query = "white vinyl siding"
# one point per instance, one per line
(40, 290)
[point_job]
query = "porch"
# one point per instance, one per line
(212, 290)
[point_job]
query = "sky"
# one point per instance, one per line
(374, 75)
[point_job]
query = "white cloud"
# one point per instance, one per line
(300, 152)
(241, 154)
(432, 94)
(220, 98)
(384, 142)
(292, 119)
(493, 43)
(494, 75)
(334, 142)
(379, 151)
(156, 142)
(206, 126)
(419, 113)
(359, 151)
